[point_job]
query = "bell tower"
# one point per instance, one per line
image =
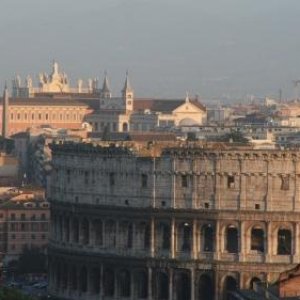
(128, 94)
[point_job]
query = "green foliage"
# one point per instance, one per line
(12, 294)
(235, 137)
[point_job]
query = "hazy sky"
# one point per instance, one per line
(208, 47)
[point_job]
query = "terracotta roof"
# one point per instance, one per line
(45, 102)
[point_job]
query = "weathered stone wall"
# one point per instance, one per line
(201, 216)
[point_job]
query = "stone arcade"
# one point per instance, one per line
(175, 221)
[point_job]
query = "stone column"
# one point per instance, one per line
(194, 240)
(297, 187)
(152, 238)
(101, 283)
(296, 239)
(218, 238)
(173, 237)
(242, 242)
(150, 292)
(269, 242)
(218, 185)
(193, 296)
(91, 233)
(171, 284)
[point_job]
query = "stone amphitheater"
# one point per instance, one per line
(177, 220)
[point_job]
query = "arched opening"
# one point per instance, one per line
(284, 242)
(75, 231)
(162, 286)
(142, 285)
(257, 240)
(60, 228)
(85, 227)
(98, 229)
(129, 236)
(205, 288)
(83, 280)
(95, 282)
(165, 234)
(65, 277)
(124, 283)
(147, 236)
(253, 282)
(58, 276)
(232, 240)
(208, 238)
(185, 237)
(67, 229)
(125, 127)
(183, 287)
(109, 282)
(230, 285)
(74, 282)
(110, 233)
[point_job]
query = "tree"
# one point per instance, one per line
(12, 294)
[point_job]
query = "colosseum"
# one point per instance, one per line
(174, 221)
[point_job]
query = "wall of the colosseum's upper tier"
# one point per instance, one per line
(228, 180)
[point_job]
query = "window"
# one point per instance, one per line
(86, 177)
(184, 181)
(111, 179)
(230, 181)
(285, 183)
(33, 217)
(11, 116)
(47, 116)
(144, 180)
(13, 236)
(43, 236)
(23, 217)
(18, 116)
(13, 216)
(206, 205)
(33, 236)
(13, 227)
(43, 216)
(40, 116)
(257, 206)
(32, 116)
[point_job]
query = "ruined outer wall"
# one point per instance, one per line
(224, 214)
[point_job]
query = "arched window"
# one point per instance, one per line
(109, 282)
(183, 286)
(98, 232)
(124, 283)
(165, 236)
(110, 233)
(147, 236)
(257, 240)
(230, 285)
(75, 231)
(162, 286)
(83, 280)
(125, 127)
(208, 238)
(74, 282)
(85, 226)
(185, 237)
(95, 282)
(232, 240)
(284, 242)
(129, 236)
(206, 288)
(142, 285)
